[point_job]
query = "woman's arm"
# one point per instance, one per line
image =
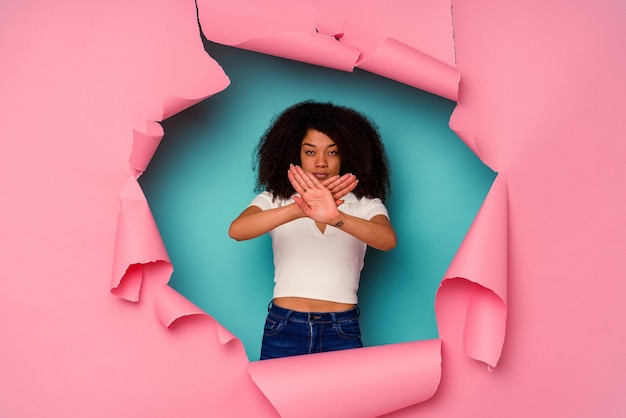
(254, 222)
(377, 232)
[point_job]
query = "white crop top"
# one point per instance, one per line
(311, 264)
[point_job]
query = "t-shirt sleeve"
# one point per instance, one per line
(263, 201)
(374, 207)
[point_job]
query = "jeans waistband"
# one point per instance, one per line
(326, 317)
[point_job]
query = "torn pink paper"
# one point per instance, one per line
(482, 256)
(311, 48)
(171, 306)
(482, 260)
(321, 33)
(147, 139)
(284, 28)
(365, 382)
(144, 146)
(401, 63)
(407, 41)
(422, 25)
(138, 242)
(485, 326)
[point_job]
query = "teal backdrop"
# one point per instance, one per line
(201, 178)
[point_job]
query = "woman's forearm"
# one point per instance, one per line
(378, 232)
(254, 222)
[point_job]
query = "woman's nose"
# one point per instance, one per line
(320, 161)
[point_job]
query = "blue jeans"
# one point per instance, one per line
(291, 333)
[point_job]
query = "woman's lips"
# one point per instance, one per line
(320, 176)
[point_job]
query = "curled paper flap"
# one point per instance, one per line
(311, 48)
(424, 25)
(400, 62)
(294, 36)
(171, 307)
(482, 256)
(137, 242)
(364, 382)
(145, 145)
(485, 326)
(128, 288)
(482, 260)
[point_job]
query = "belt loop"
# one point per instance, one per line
(287, 315)
(333, 318)
(358, 311)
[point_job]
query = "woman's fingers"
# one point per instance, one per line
(332, 182)
(342, 182)
(341, 186)
(294, 180)
(347, 188)
(305, 180)
(299, 180)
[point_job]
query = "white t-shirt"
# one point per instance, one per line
(312, 264)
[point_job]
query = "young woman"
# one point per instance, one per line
(324, 175)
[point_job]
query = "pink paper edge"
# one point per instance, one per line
(304, 47)
(171, 308)
(485, 326)
(397, 61)
(411, 372)
(482, 260)
(136, 231)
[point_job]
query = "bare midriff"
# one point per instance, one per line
(311, 305)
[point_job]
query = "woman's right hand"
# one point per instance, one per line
(340, 186)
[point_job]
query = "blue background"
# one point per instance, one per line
(201, 178)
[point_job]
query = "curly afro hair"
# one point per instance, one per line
(358, 141)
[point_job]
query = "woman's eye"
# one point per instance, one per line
(309, 152)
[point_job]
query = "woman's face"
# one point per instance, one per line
(320, 155)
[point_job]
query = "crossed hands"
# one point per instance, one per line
(319, 201)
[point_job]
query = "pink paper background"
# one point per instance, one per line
(534, 289)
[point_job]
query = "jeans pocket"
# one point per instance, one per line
(349, 329)
(272, 327)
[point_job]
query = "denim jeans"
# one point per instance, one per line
(291, 333)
